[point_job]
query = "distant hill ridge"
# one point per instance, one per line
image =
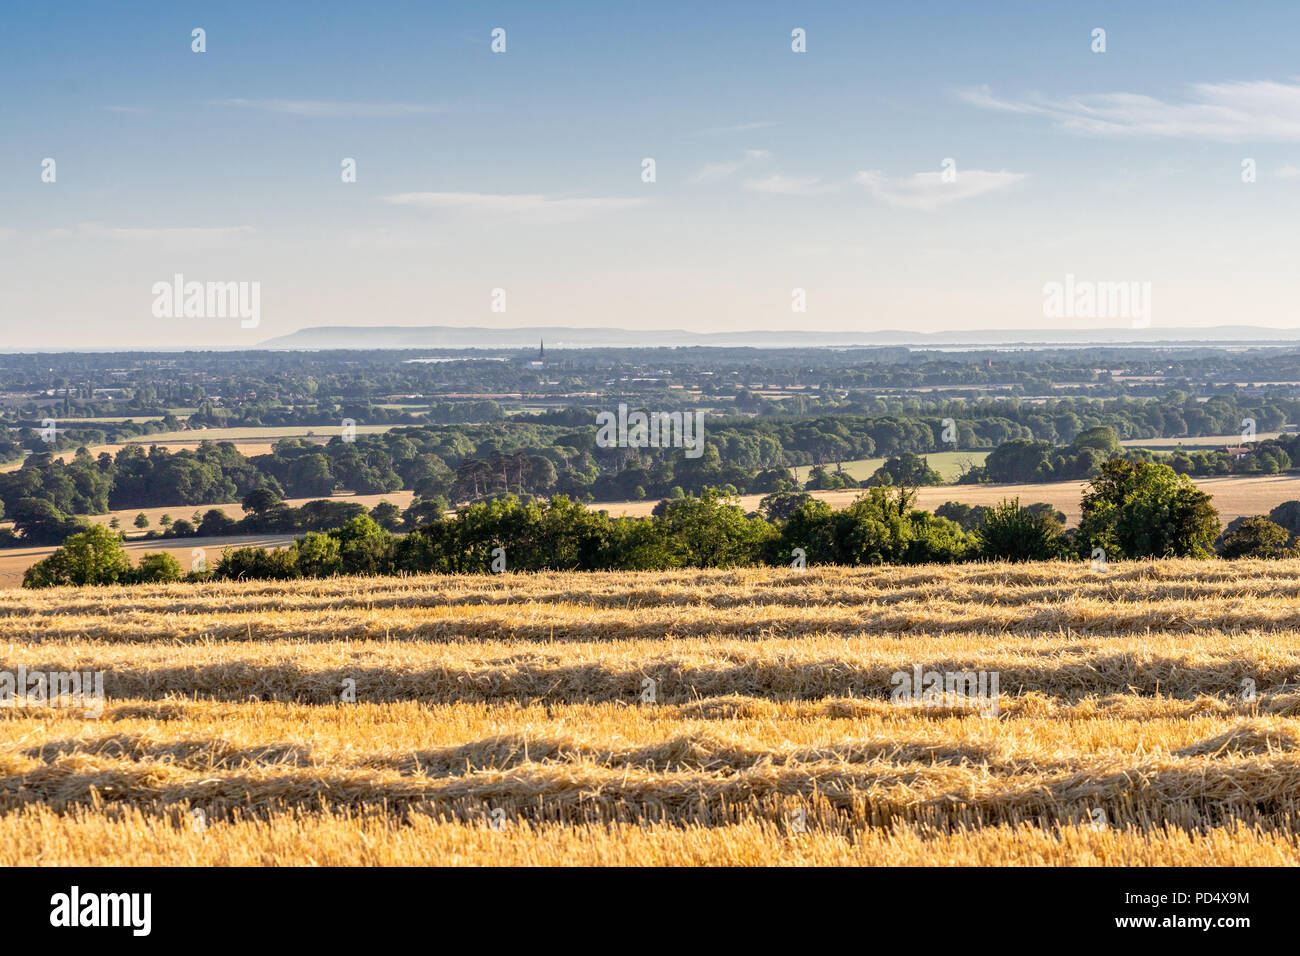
(555, 336)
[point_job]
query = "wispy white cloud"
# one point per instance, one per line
(325, 108)
(929, 191)
(1247, 111)
(788, 185)
(1288, 172)
(179, 235)
(715, 172)
(513, 204)
(128, 109)
(739, 128)
(760, 181)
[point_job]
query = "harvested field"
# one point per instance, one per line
(1142, 716)
(950, 464)
(233, 510)
(250, 440)
(1233, 497)
(249, 447)
(14, 562)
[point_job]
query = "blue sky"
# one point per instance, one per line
(775, 170)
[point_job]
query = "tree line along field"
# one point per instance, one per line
(250, 440)
(1234, 497)
(248, 447)
(1145, 716)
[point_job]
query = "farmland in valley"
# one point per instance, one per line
(1190, 443)
(1143, 715)
(15, 561)
(126, 516)
(1232, 496)
(950, 464)
(250, 440)
(247, 447)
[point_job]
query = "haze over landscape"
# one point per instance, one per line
(580, 434)
(444, 337)
(822, 171)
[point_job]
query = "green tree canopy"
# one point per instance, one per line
(94, 556)
(1145, 510)
(1257, 537)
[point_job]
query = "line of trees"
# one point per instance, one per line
(1132, 510)
(557, 454)
(1024, 460)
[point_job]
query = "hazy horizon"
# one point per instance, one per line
(356, 338)
(924, 169)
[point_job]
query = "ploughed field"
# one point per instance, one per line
(1144, 714)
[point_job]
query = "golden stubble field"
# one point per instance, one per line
(1146, 715)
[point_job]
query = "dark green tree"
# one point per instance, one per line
(1145, 510)
(1257, 537)
(1012, 533)
(94, 556)
(908, 469)
(158, 568)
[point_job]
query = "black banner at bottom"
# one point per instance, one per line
(338, 906)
